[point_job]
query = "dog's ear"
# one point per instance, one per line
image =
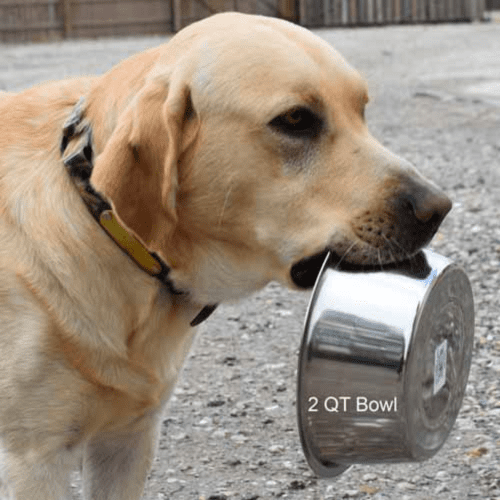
(137, 170)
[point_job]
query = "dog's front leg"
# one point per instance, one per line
(25, 477)
(116, 465)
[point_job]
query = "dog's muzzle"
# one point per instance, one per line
(404, 221)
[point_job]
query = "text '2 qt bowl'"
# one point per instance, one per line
(384, 363)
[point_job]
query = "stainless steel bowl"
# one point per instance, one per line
(384, 363)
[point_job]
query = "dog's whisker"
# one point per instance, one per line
(402, 251)
(390, 248)
(344, 255)
(380, 259)
(226, 199)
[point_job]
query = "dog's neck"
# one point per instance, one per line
(78, 133)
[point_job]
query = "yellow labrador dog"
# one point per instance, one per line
(134, 202)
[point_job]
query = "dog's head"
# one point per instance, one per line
(245, 156)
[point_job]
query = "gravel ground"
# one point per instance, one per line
(230, 431)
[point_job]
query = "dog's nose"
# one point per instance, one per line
(429, 204)
(420, 208)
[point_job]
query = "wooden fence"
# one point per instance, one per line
(317, 13)
(40, 20)
(492, 4)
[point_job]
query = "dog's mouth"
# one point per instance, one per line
(304, 273)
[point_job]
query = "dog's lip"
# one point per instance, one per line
(305, 272)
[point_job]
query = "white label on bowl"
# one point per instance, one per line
(440, 365)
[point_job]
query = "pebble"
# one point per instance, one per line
(239, 438)
(276, 448)
(220, 434)
(404, 485)
(441, 489)
(351, 494)
(204, 422)
(442, 475)
(179, 436)
(474, 494)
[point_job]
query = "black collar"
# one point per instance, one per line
(79, 164)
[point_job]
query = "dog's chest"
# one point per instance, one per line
(117, 391)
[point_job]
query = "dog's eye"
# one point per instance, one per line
(297, 122)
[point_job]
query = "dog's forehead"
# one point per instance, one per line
(263, 42)
(267, 61)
